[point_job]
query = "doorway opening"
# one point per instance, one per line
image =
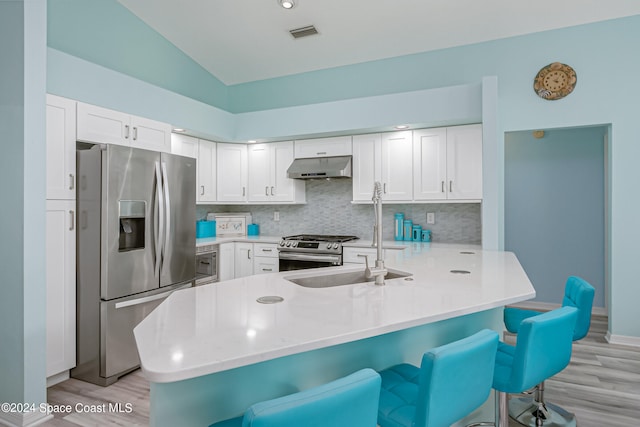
(556, 205)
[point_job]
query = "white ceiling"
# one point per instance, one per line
(246, 40)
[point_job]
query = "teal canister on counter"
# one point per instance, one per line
(205, 229)
(426, 235)
(416, 233)
(408, 229)
(253, 229)
(399, 218)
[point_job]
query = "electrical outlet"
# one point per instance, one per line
(276, 216)
(431, 218)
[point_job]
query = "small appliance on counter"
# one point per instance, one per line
(230, 224)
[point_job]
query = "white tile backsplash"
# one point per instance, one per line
(329, 211)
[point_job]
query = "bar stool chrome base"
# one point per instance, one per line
(524, 411)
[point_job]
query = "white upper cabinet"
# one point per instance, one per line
(260, 177)
(61, 148)
(397, 166)
(386, 158)
(207, 176)
(464, 162)
(101, 125)
(448, 163)
(267, 174)
(231, 172)
(367, 165)
(430, 164)
(184, 145)
(323, 147)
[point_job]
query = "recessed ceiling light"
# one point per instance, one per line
(399, 127)
(179, 130)
(287, 4)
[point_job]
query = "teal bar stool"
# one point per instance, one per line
(351, 401)
(542, 350)
(578, 293)
(453, 380)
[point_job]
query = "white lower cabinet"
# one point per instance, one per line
(265, 258)
(226, 261)
(243, 259)
(61, 285)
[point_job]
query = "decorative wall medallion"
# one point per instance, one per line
(555, 81)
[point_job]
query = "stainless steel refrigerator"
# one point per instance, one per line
(136, 245)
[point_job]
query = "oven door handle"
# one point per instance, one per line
(307, 257)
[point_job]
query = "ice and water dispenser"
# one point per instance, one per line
(132, 224)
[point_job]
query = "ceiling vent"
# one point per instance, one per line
(303, 32)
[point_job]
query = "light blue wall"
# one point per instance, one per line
(22, 222)
(555, 207)
(106, 33)
(78, 79)
(596, 51)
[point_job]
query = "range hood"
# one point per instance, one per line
(320, 167)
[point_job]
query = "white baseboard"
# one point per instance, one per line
(546, 306)
(57, 378)
(622, 340)
(31, 419)
(599, 311)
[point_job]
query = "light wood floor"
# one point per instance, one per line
(601, 386)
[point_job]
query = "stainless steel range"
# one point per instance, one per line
(311, 251)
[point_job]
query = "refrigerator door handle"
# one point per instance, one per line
(159, 225)
(167, 202)
(143, 300)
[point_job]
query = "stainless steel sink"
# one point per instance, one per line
(340, 279)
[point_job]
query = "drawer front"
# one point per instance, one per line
(263, 265)
(265, 250)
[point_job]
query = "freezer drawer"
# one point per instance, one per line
(119, 317)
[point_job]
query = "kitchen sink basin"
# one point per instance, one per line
(342, 278)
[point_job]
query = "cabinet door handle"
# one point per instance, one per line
(272, 191)
(266, 190)
(72, 222)
(319, 153)
(135, 133)
(267, 250)
(450, 186)
(442, 187)
(248, 253)
(72, 181)
(267, 269)
(384, 188)
(126, 131)
(244, 191)
(202, 190)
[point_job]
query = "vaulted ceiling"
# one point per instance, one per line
(247, 40)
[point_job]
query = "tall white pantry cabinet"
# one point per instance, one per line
(60, 238)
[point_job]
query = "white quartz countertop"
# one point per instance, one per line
(221, 326)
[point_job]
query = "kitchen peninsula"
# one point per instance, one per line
(211, 351)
